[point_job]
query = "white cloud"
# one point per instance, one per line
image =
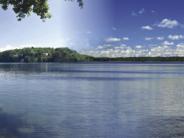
(176, 37)
(147, 27)
(160, 51)
(167, 43)
(180, 45)
(138, 51)
(113, 39)
(141, 11)
(160, 38)
(179, 50)
(148, 38)
(138, 46)
(116, 39)
(125, 38)
(168, 23)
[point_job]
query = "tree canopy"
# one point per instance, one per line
(23, 8)
(43, 55)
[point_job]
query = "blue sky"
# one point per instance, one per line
(102, 28)
(69, 26)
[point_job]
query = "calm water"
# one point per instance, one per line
(91, 100)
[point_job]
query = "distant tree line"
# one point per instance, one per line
(141, 59)
(30, 55)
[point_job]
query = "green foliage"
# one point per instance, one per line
(43, 55)
(23, 8)
(140, 59)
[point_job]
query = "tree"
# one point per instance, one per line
(23, 8)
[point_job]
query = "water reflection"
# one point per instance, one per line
(17, 126)
(12, 126)
(91, 101)
(162, 127)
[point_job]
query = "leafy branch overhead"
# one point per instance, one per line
(23, 8)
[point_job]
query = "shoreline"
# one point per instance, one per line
(100, 62)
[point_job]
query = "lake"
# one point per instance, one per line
(97, 100)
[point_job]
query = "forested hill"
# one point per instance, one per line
(43, 55)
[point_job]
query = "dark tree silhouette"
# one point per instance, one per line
(23, 8)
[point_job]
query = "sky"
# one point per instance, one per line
(112, 28)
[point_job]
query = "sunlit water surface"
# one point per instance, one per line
(91, 100)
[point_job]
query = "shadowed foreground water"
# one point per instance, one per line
(91, 100)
